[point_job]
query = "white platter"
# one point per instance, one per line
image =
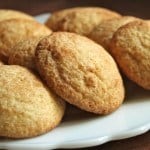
(81, 129)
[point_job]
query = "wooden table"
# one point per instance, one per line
(139, 8)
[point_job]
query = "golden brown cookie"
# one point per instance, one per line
(130, 46)
(15, 30)
(6, 14)
(24, 52)
(27, 107)
(80, 71)
(103, 33)
(80, 20)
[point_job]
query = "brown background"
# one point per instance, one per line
(139, 8)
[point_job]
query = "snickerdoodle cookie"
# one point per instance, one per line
(130, 46)
(103, 33)
(27, 107)
(6, 14)
(80, 71)
(80, 20)
(24, 52)
(14, 30)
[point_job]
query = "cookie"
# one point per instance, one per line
(27, 107)
(6, 14)
(15, 30)
(80, 71)
(130, 46)
(80, 20)
(103, 33)
(24, 52)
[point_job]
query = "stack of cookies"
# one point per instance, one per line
(76, 57)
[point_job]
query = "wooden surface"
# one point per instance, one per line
(139, 8)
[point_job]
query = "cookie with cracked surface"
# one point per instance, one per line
(6, 14)
(24, 52)
(130, 46)
(15, 30)
(27, 107)
(80, 71)
(103, 33)
(80, 20)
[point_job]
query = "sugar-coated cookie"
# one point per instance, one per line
(80, 71)
(6, 14)
(15, 30)
(103, 33)
(27, 107)
(80, 20)
(130, 46)
(24, 52)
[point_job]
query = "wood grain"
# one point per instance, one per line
(138, 8)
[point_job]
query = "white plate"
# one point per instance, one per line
(81, 129)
